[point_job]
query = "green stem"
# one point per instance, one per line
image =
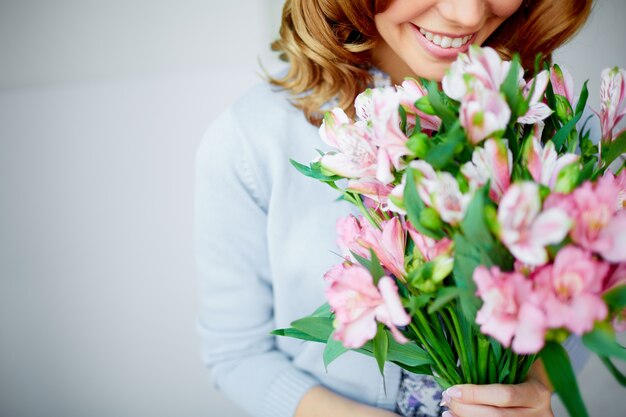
(514, 363)
(460, 347)
(441, 347)
(365, 211)
(482, 358)
(471, 376)
(493, 373)
(526, 365)
(441, 369)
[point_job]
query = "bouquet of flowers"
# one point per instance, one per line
(491, 227)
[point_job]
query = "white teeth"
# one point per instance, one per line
(445, 41)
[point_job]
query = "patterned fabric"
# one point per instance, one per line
(380, 78)
(419, 396)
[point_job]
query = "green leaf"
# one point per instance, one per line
(442, 154)
(582, 100)
(381, 347)
(601, 340)
(587, 172)
(510, 87)
(334, 349)
(474, 225)
(365, 263)
(317, 327)
(376, 270)
(409, 354)
(563, 133)
(416, 302)
(616, 297)
(314, 171)
(323, 311)
(619, 376)
(296, 334)
(561, 374)
(496, 348)
(444, 296)
(467, 257)
(414, 206)
(615, 149)
(448, 116)
(402, 118)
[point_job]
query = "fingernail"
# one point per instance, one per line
(443, 403)
(445, 399)
(448, 414)
(452, 392)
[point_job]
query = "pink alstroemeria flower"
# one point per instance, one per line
(481, 69)
(483, 114)
(537, 110)
(508, 312)
(615, 277)
(363, 105)
(388, 242)
(441, 191)
(409, 93)
(355, 156)
(599, 223)
(372, 188)
(358, 305)
(348, 235)
(492, 162)
(439, 252)
(543, 162)
(388, 136)
(562, 82)
(612, 100)
(620, 180)
(430, 248)
(571, 290)
(524, 229)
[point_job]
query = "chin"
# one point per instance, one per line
(433, 72)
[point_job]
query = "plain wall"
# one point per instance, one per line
(102, 105)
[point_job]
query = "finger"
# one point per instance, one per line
(526, 394)
(458, 409)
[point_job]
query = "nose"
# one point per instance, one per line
(468, 14)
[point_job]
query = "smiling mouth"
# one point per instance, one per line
(444, 41)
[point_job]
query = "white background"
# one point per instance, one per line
(102, 104)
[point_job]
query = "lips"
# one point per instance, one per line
(445, 46)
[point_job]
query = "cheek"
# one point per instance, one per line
(504, 8)
(400, 11)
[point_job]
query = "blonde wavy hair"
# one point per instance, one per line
(328, 44)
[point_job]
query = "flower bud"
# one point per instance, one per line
(419, 144)
(563, 109)
(567, 179)
(430, 218)
(423, 104)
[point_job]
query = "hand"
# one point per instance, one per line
(528, 399)
(320, 402)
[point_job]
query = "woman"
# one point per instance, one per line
(264, 231)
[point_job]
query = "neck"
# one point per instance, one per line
(388, 61)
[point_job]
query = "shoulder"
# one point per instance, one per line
(262, 117)
(258, 133)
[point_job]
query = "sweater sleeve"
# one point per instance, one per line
(236, 297)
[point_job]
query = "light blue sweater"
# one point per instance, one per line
(264, 239)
